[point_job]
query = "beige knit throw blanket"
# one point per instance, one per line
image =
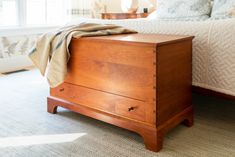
(51, 52)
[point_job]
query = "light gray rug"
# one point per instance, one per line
(27, 130)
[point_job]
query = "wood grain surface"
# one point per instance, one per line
(140, 82)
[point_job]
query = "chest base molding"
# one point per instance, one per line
(153, 135)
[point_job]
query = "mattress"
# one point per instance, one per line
(213, 47)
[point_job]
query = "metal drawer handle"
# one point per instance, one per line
(131, 109)
(62, 89)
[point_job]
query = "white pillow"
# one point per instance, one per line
(222, 9)
(183, 9)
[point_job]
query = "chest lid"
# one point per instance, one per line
(158, 39)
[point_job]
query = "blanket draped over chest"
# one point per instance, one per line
(51, 52)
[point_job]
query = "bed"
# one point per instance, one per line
(213, 47)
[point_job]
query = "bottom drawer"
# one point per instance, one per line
(103, 101)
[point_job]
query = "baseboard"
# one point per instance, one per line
(209, 92)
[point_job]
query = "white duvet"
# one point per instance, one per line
(213, 47)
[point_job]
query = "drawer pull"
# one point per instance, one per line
(131, 109)
(62, 89)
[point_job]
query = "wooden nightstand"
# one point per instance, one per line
(123, 15)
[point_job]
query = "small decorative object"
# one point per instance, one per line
(145, 10)
(146, 6)
(129, 6)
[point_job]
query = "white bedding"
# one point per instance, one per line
(213, 47)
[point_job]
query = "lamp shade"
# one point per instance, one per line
(129, 6)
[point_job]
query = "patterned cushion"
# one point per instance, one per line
(16, 45)
(222, 9)
(183, 9)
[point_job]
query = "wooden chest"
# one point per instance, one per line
(140, 82)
